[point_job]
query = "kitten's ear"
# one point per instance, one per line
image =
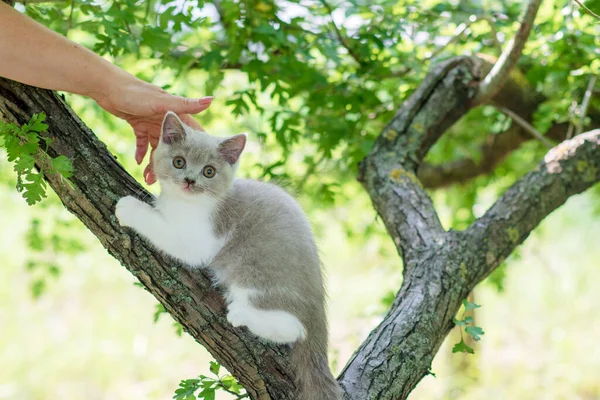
(172, 129)
(231, 148)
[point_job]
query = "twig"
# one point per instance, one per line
(570, 129)
(338, 33)
(128, 28)
(457, 34)
(462, 28)
(587, 10)
(494, 32)
(525, 125)
(496, 78)
(585, 103)
(572, 110)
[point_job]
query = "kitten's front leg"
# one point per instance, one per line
(142, 218)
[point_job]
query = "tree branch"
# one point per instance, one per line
(521, 100)
(585, 103)
(568, 169)
(526, 126)
(189, 296)
(499, 74)
(341, 38)
(494, 150)
(388, 173)
(441, 268)
(587, 10)
(462, 28)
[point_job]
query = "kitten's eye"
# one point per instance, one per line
(209, 171)
(179, 162)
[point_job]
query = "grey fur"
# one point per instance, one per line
(270, 246)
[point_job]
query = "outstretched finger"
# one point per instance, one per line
(141, 147)
(149, 175)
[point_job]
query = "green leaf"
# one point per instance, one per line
(38, 287)
(470, 306)
(207, 394)
(474, 331)
(215, 367)
(62, 165)
(187, 389)
(159, 309)
(36, 123)
(461, 347)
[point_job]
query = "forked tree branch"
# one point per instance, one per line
(441, 271)
(388, 173)
(499, 74)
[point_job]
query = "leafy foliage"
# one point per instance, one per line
(22, 145)
(315, 82)
(204, 387)
(467, 324)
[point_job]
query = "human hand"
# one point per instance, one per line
(144, 106)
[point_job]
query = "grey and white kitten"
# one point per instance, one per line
(252, 236)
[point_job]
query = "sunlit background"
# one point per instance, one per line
(73, 324)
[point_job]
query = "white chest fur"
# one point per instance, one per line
(190, 231)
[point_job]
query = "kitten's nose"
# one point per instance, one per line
(189, 181)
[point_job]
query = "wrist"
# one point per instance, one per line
(107, 81)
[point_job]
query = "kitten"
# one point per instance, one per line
(252, 236)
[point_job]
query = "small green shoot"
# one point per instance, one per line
(22, 145)
(467, 324)
(205, 387)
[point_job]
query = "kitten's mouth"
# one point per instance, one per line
(190, 188)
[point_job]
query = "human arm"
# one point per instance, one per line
(35, 55)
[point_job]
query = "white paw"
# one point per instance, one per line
(126, 210)
(280, 327)
(273, 325)
(238, 316)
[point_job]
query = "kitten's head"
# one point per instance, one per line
(188, 162)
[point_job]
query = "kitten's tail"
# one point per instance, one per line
(313, 377)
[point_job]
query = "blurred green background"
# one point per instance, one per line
(73, 324)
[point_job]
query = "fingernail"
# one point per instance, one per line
(207, 99)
